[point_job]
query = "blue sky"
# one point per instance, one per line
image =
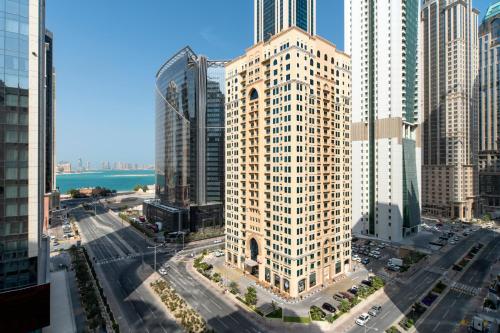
(107, 54)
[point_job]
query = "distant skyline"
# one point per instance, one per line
(107, 54)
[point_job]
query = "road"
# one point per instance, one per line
(455, 305)
(402, 296)
(221, 316)
(117, 252)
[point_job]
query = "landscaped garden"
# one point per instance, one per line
(90, 291)
(183, 313)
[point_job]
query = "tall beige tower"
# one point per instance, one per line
(288, 162)
(450, 105)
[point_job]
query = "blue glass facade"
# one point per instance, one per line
(273, 16)
(16, 268)
(190, 110)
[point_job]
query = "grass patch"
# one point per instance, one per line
(278, 313)
(300, 320)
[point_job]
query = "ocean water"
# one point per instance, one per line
(117, 180)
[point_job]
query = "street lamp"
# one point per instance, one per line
(153, 247)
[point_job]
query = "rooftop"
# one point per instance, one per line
(492, 10)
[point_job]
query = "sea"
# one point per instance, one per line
(119, 180)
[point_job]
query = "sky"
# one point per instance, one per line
(107, 53)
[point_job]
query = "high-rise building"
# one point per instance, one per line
(288, 158)
(383, 39)
(449, 108)
(273, 16)
(24, 246)
(489, 113)
(189, 142)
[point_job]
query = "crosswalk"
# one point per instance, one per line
(130, 256)
(464, 289)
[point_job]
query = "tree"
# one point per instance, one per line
(74, 193)
(251, 296)
(234, 288)
(487, 217)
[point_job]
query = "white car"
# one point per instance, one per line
(162, 271)
(363, 319)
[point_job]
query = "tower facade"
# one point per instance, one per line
(489, 112)
(288, 160)
(383, 39)
(24, 244)
(189, 143)
(450, 108)
(273, 16)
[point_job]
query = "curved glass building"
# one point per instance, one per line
(189, 142)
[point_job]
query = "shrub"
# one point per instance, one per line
(317, 314)
(216, 277)
(344, 306)
(234, 288)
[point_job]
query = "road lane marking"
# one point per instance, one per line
(206, 308)
(217, 305)
(222, 323)
(435, 327)
(446, 313)
(236, 321)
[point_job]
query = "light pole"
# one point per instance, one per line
(153, 247)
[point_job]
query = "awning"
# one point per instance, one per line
(251, 263)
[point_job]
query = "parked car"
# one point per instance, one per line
(353, 291)
(347, 295)
(365, 261)
(375, 310)
(356, 257)
(363, 319)
(142, 218)
(367, 283)
(339, 297)
(328, 307)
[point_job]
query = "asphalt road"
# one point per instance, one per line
(455, 305)
(116, 250)
(402, 296)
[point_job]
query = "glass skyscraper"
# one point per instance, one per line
(273, 16)
(489, 110)
(189, 139)
(24, 282)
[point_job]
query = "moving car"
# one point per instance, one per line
(328, 307)
(162, 271)
(375, 310)
(363, 319)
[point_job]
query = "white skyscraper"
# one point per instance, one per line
(382, 37)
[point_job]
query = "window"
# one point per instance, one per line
(254, 94)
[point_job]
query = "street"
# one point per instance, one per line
(116, 250)
(445, 317)
(402, 296)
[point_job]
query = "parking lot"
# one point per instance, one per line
(61, 231)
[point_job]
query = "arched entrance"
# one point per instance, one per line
(254, 252)
(254, 249)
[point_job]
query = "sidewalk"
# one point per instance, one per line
(61, 309)
(343, 324)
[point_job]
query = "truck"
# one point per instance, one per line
(395, 262)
